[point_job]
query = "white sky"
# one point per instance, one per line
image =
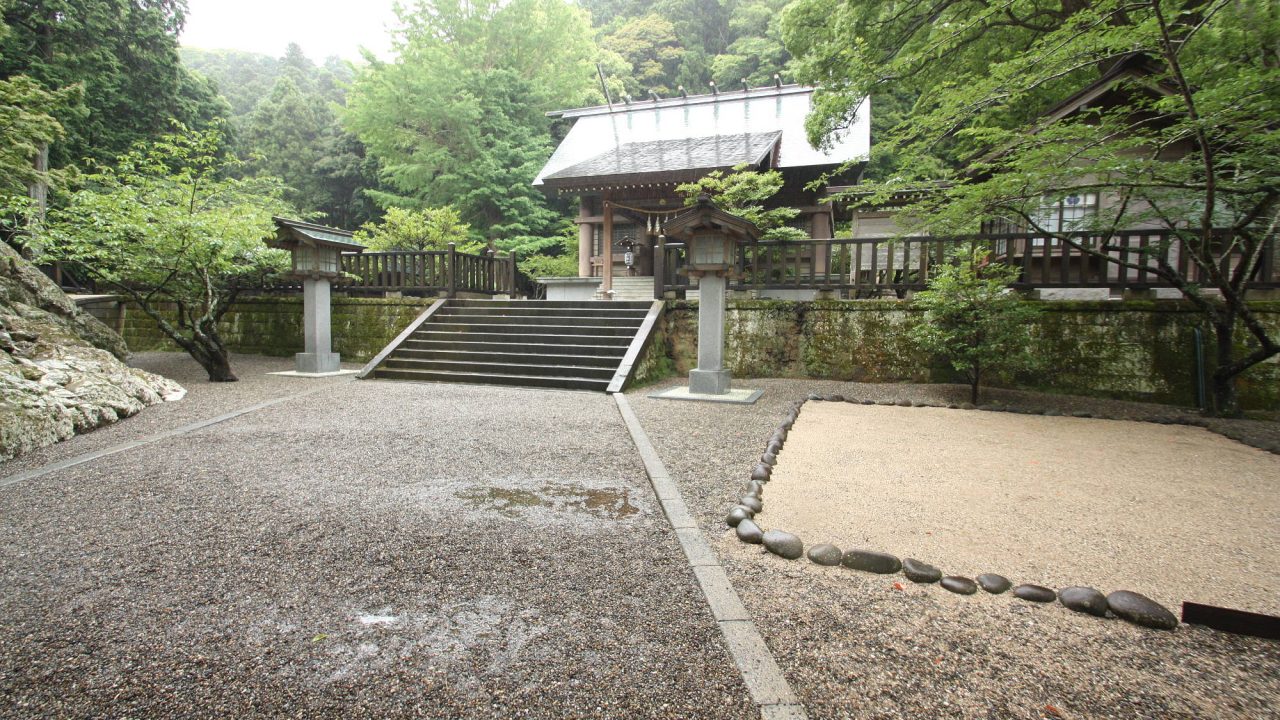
(321, 27)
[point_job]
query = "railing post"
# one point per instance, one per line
(452, 268)
(511, 266)
(660, 268)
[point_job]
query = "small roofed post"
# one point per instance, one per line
(712, 237)
(317, 259)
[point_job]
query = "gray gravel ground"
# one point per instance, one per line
(853, 645)
(204, 400)
(387, 550)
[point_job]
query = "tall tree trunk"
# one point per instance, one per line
(1224, 383)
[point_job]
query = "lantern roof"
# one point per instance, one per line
(706, 214)
(291, 233)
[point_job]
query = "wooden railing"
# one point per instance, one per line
(877, 267)
(425, 272)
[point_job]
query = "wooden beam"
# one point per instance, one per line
(606, 249)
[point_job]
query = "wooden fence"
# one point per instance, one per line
(426, 272)
(877, 267)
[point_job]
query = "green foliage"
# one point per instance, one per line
(745, 193)
(1185, 140)
(123, 53)
(651, 53)
(974, 320)
(426, 229)
(26, 123)
(550, 256)
(166, 224)
(459, 117)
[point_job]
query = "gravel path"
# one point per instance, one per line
(204, 400)
(854, 645)
(386, 550)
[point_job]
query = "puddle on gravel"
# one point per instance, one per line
(607, 503)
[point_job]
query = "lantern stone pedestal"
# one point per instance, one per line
(317, 343)
(711, 377)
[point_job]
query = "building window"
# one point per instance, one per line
(1064, 214)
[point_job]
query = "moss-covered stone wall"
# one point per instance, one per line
(273, 325)
(1140, 350)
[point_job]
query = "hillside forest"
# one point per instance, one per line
(447, 134)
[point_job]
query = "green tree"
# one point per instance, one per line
(745, 193)
(650, 51)
(123, 52)
(427, 229)
(974, 320)
(165, 225)
(27, 124)
(1187, 142)
(459, 117)
(283, 137)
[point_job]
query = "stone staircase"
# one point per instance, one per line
(578, 345)
(632, 289)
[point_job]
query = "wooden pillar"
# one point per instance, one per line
(821, 253)
(584, 237)
(659, 267)
(606, 248)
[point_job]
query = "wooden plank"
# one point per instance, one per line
(1238, 622)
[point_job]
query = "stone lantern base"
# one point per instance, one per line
(317, 362)
(709, 382)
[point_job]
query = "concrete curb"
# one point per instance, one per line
(122, 447)
(760, 672)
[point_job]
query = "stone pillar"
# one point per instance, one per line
(821, 224)
(584, 238)
(711, 378)
(318, 357)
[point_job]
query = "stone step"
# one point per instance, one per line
(552, 355)
(614, 352)
(519, 336)
(538, 320)
(568, 383)
(579, 304)
(606, 310)
(520, 328)
(500, 368)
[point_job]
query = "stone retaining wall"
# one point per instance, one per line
(273, 326)
(1135, 349)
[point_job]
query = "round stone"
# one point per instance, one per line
(737, 515)
(834, 398)
(814, 396)
(959, 585)
(920, 572)
(752, 502)
(1034, 593)
(903, 403)
(1082, 414)
(993, 583)
(749, 532)
(1051, 412)
(755, 487)
(761, 472)
(783, 544)
(871, 561)
(868, 402)
(774, 448)
(1141, 610)
(952, 406)
(1084, 599)
(825, 554)
(966, 406)
(884, 402)
(769, 459)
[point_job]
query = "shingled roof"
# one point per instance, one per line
(680, 139)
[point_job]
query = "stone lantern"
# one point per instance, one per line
(712, 237)
(316, 253)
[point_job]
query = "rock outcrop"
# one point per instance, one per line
(61, 370)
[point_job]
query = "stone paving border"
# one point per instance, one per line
(760, 672)
(122, 447)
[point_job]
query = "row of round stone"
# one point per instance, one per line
(1130, 606)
